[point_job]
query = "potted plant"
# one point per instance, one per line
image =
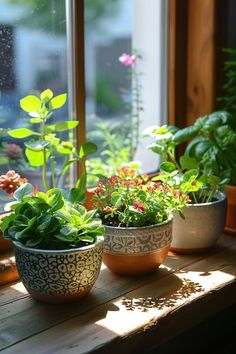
(205, 214)
(58, 244)
(213, 141)
(137, 214)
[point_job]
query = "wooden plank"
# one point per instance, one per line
(114, 321)
(203, 267)
(16, 290)
(201, 58)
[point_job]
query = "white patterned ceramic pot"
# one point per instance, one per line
(61, 275)
(136, 250)
(203, 225)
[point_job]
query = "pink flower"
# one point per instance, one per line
(127, 60)
(139, 206)
(11, 181)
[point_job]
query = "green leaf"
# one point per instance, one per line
(37, 145)
(58, 101)
(188, 163)
(35, 120)
(62, 126)
(21, 133)
(46, 95)
(87, 149)
(76, 195)
(87, 239)
(36, 158)
(24, 190)
(67, 165)
(191, 175)
(81, 182)
(213, 180)
(30, 104)
(167, 167)
(185, 134)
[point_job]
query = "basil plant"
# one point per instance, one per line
(208, 161)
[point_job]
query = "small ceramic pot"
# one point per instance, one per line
(230, 226)
(203, 225)
(136, 250)
(60, 275)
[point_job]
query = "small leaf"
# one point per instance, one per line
(81, 182)
(66, 166)
(30, 103)
(58, 101)
(36, 158)
(21, 133)
(46, 95)
(187, 162)
(35, 120)
(76, 195)
(167, 167)
(37, 145)
(87, 149)
(24, 190)
(62, 126)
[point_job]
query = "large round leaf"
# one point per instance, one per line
(30, 103)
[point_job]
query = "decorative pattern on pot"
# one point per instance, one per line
(62, 275)
(137, 240)
(201, 228)
(130, 250)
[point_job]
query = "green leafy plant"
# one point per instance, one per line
(129, 200)
(205, 167)
(44, 144)
(229, 97)
(49, 221)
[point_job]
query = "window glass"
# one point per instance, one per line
(33, 57)
(122, 71)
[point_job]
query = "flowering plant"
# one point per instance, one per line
(129, 200)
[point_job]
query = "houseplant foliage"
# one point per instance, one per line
(44, 144)
(137, 214)
(58, 243)
(198, 173)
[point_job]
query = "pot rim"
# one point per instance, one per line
(100, 239)
(221, 197)
(166, 222)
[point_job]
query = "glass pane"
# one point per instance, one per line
(114, 71)
(33, 57)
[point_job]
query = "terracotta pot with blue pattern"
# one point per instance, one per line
(136, 250)
(59, 275)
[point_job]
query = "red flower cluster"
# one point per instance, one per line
(131, 200)
(11, 181)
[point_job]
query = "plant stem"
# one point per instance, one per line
(45, 183)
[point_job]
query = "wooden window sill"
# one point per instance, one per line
(123, 314)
